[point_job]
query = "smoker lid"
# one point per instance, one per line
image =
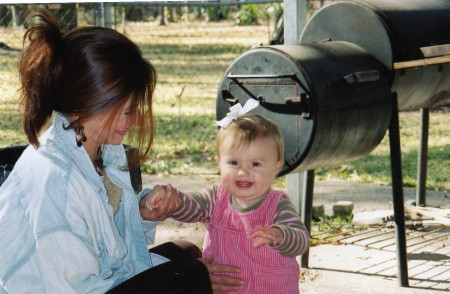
(331, 100)
(272, 75)
(391, 31)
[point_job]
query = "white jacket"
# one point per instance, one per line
(58, 232)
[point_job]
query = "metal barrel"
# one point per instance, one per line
(331, 100)
(410, 37)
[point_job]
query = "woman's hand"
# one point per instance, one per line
(157, 207)
(220, 282)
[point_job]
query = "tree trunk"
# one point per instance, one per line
(162, 20)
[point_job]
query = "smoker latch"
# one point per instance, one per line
(304, 101)
(363, 76)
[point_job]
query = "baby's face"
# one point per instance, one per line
(247, 172)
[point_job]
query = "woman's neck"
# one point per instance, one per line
(92, 149)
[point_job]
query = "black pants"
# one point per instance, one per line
(182, 275)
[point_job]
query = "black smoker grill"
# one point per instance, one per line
(336, 94)
(312, 92)
(410, 37)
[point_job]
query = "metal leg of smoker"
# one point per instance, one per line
(422, 158)
(307, 203)
(397, 193)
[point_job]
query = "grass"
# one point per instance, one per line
(190, 60)
(326, 229)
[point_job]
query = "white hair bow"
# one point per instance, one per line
(237, 111)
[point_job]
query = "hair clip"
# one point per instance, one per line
(237, 111)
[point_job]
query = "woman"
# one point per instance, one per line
(70, 220)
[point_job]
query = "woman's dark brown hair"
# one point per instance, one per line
(83, 73)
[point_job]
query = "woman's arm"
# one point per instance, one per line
(220, 282)
(61, 263)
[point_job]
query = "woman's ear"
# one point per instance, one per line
(72, 118)
(217, 159)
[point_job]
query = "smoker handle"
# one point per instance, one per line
(233, 77)
(293, 105)
(291, 75)
(363, 76)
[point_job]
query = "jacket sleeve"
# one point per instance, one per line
(149, 227)
(61, 263)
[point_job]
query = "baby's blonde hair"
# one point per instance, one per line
(247, 128)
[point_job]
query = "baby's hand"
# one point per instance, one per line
(154, 199)
(266, 236)
(159, 204)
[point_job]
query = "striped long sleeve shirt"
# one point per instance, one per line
(198, 206)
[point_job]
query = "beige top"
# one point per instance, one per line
(114, 192)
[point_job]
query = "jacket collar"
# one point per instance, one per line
(58, 138)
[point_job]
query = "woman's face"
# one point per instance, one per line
(99, 130)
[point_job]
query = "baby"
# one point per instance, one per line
(250, 225)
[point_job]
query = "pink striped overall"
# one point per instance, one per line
(228, 240)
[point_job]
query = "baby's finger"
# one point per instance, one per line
(260, 242)
(154, 196)
(175, 200)
(263, 234)
(168, 204)
(263, 238)
(156, 203)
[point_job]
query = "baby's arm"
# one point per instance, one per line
(196, 207)
(192, 207)
(288, 234)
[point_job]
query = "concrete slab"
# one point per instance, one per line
(357, 269)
